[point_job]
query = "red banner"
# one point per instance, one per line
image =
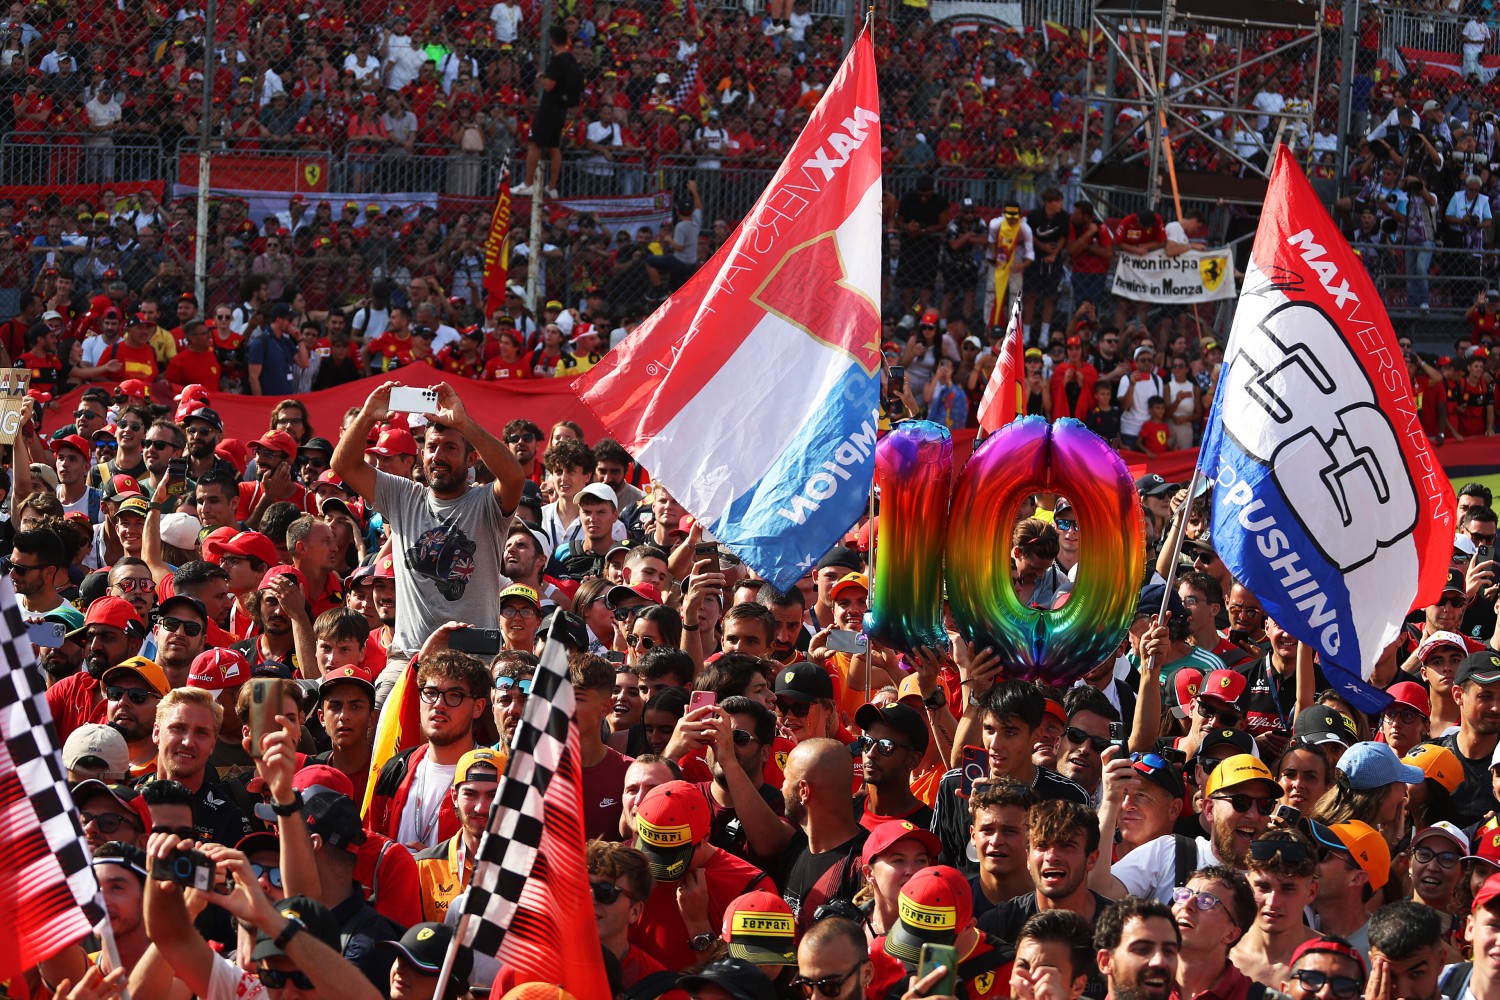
(307, 174)
(542, 401)
(71, 194)
(497, 250)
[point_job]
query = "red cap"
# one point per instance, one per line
(232, 450)
(1225, 685)
(671, 821)
(351, 673)
(1412, 695)
(74, 441)
(115, 611)
(219, 668)
(934, 906)
(1075, 341)
(885, 834)
(1486, 848)
(331, 478)
(278, 441)
(385, 568)
(930, 318)
(684, 524)
(254, 545)
(330, 778)
(1324, 944)
(1055, 709)
(279, 570)
(395, 441)
(1186, 684)
(213, 543)
(132, 387)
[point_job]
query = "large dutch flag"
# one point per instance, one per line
(753, 393)
(1328, 501)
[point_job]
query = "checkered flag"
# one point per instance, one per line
(529, 894)
(48, 899)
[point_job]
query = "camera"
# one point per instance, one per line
(190, 868)
(1391, 199)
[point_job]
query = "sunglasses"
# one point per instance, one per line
(15, 567)
(1227, 718)
(159, 445)
(607, 892)
(87, 415)
(1445, 859)
(1291, 851)
(1453, 602)
(1201, 900)
(1078, 737)
(1066, 523)
(800, 709)
(1244, 803)
(131, 426)
(452, 697)
(190, 629)
(106, 822)
(507, 683)
(1209, 763)
(828, 986)
(742, 738)
(528, 438)
(645, 642)
(884, 748)
(271, 873)
(1344, 987)
(131, 584)
(273, 980)
(137, 696)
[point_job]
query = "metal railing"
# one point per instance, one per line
(62, 158)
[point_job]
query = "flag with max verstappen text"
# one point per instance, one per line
(1329, 503)
(753, 393)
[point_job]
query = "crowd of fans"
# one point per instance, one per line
(774, 809)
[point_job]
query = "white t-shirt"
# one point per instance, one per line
(507, 19)
(429, 787)
(227, 981)
(1138, 412)
(1151, 869)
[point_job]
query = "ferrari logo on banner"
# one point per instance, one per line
(1212, 268)
(1195, 276)
(312, 173)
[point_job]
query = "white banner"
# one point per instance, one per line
(1196, 276)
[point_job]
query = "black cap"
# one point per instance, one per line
(841, 556)
(207, 415)
(334, 818)
(1482, 667)
(902, 718)
(425, 945)
(734, 976)
(1159, 771)
(569, 628)
(273, 668)
(318, 444)
(803, 681)
(1152, 485)
(189, 599)
(1237, 738)
(1193, 546)
(1321, 724)
(281, 311)
(315, 917)
(1149, 603)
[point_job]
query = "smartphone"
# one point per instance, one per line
(898, 379)
(47, 635)
(480, 641)
(705, 550)
(844, 641)
(932, 956)
(1483, 554)
(1120, 737)
(702, 699)
(408, 399)
(265, 704)
(190, 868)
(615, 656)
(1239, 636)
(177, 477)
(1286, 815)
(975, 765)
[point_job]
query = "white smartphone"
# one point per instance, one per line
(409, 399)
(844, 641)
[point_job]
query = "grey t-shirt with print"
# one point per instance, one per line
(447, 554)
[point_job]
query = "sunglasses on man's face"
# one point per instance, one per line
(1244, 803)
(884, 748)
(1078, 737)
(274, 980)
(106, 822)
(137, 696)
(606, 893)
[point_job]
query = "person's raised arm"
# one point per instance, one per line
(348, 460)
(496, 457)
(151, 535)
(1118, 778)
(706, 579)
(767, 833)
(979, 671)
(170, 927)
(1147, 721)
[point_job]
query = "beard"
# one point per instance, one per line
(796, 812)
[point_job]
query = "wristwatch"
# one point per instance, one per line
(937, 699)
(294, 806)
(293, 926)
(701, 942)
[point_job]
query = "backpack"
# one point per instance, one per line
(1456, 982)
(579, 564)
(1185, 854)
(653, 986)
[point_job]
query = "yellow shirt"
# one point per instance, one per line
(442, 872)
(165, 346)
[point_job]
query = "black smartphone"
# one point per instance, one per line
(1120, 737)
(190, 868)
(1239, 636)
(1483, 553)
(1286, 815)
(898, 379)
(177, 477)
(480, 641)
(615, 656)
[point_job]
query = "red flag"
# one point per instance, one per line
(497, 250)
(1004, 397)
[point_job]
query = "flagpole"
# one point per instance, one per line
(446, 972)
(106, 930)
(1179, 532)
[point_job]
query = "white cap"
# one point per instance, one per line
(663, 78)
(598, 491)
(95, 739)
(1437, 639)
(180, 530)
(1448, 830)
(1463, 543)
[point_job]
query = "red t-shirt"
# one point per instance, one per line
(250, 494)
(192, 367)
(603, 784)
(1131, 233)
(661, 931)
(72, 703)
(139, 362)
(498, 368)
(1154, 437)
(389, 352)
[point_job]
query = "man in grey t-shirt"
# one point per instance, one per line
(447, 538)
(683, 260)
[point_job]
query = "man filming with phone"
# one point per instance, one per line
(447, 539)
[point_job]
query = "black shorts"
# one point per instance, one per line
(547, 128)
(1044, 279)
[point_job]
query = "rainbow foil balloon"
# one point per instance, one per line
(913, 465)
(1029, 456)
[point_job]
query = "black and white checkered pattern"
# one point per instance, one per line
(51, 884)
(507, 855)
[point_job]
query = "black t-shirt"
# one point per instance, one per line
(951, 821)
(926, 213)
(362, 928)
(563, 69)
(1270, 699)
(1473, 799)
(1046, 229)
(1479, 620)
(809, 880)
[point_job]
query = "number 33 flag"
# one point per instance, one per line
(1328, 502)
(753, 393)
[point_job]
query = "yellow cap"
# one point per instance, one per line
(1241, 769)
(481, 760)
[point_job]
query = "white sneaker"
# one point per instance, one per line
(773, 29)
(521, 189)
(552, 192)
